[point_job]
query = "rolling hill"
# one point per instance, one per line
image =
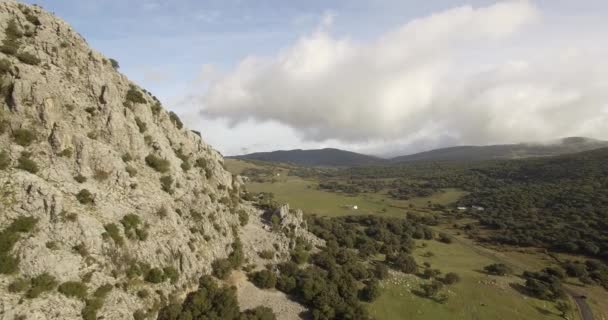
(328, 157)
(331, 157)
(505, 151)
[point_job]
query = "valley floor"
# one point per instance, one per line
(477, 296)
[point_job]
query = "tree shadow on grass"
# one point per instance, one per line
(439, 298)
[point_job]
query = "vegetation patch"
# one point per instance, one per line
(8, 238)
(158, 164)
(41, 284)
(141, 125)
(84, 196)
(73, 289)
(176, 120)
(135, 96)
(28, 58)
(80, 178)
(24, 137)
(264, 279)
(166, 184)
(211, 301)
(5, 160)
(27, 164)
(114, 64)
(113, 232)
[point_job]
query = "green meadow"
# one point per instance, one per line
(476, 296)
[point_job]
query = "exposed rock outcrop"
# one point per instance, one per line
(115, 184)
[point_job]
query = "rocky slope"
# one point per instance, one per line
(100, 184)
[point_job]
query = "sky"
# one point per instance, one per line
(377, 76)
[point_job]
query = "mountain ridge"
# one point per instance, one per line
(334, 157)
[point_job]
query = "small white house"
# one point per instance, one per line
(462, 208)
(478, 208)
(355, 207)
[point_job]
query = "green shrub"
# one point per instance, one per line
(141, 125)
(266, 254)
(90, 110)
(114, 232)
(135, 96)
(84, 196)
(33, 19)
(92, 306)
(5, 160)
(154, 275)
(139, 315)
(186, 166)
(103, 291)
(25, 163)
(176, 120)
(264, 279)
(450, 278)
(5, 66)
(143, 293)
(9, 264)
(28, 58)
(210, 301)
(80, 178)
(11, 44)
(221, 268)
(131, 171)
(259, 313)
(73, 289)
(158, 164)
(166, 183)
(370, 292)
(243, 217)
(52, 245)
(24, 137)
(23, 225)
(8, 238)
(498, 269)
(81, 249)
(299, 256)
(67, 152)
(40, 284)
(127, 157)
(114, 63)
(162, 212)
(171, 274)
(156, 108)
(19, 285)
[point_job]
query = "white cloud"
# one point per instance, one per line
(448, 76)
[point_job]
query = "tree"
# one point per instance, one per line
(498, 269)
(403, 262)
(431, 289)
(264, 279)
(371, 291)
(451, 278)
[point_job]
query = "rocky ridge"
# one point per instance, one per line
(100, 184)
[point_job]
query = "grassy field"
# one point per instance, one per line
(305, 195)
(476, 296)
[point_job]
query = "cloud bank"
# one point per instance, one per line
(466, 75)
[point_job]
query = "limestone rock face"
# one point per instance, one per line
(120, 186)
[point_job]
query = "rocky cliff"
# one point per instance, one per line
(104, 194)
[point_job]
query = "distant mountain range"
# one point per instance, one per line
(330, 157)
(315, 158)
